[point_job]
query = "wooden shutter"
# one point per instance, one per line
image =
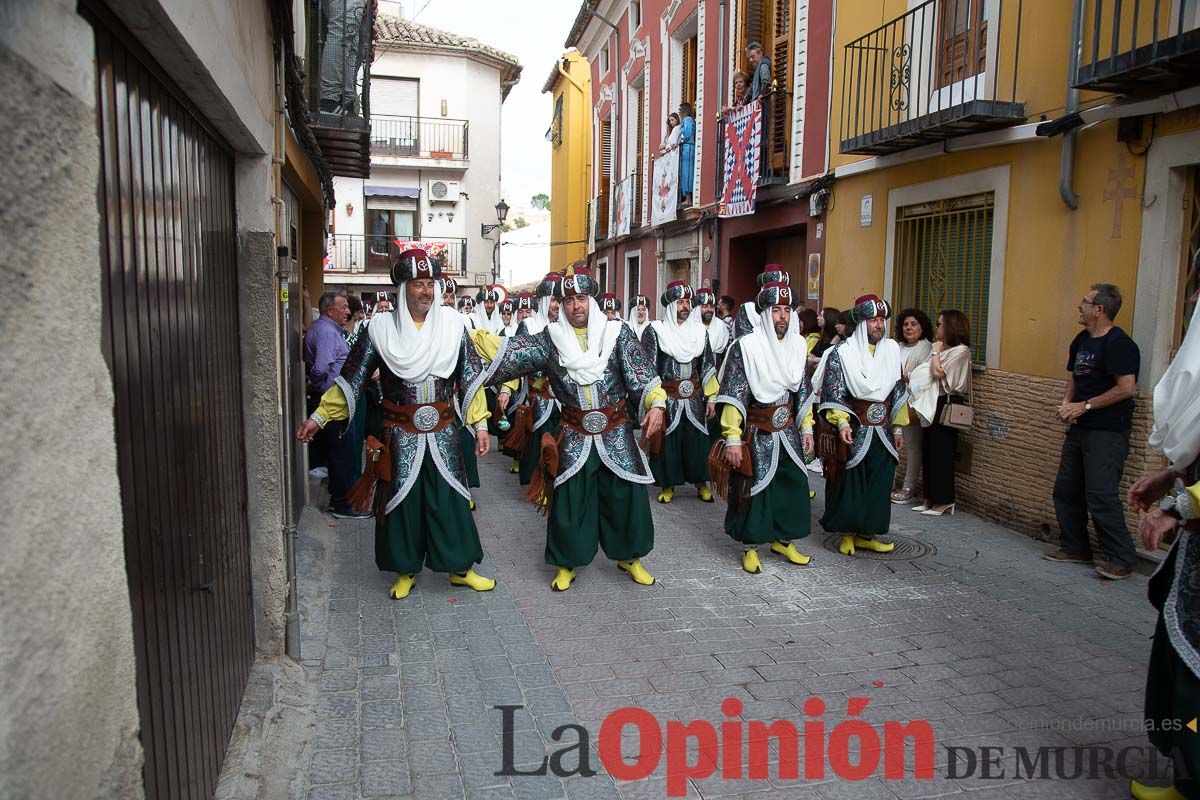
(639, 151)
(750, 27)
(687, 74)
(780, 48)
(606, 148)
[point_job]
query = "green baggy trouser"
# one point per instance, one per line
(1172, 697)
(779, 513)
(533, 446)
(684, 456)
(859, 501)
(466, 440)
(593, 507)
(432, 527)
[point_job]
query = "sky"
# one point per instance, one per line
(533, 31)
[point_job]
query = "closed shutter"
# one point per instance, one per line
(395, 97)
(606, 148)
(639, 168)
(687, 75)
(781, 65)
(750, 25)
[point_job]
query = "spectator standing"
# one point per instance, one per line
(342, 55)
(827, 319)
(760, 88)
(741, 82)
(1098, 408)
(914, 332)
(950, 370)
(687, 152)
(673, 132)
(810, 329)
(325, 351)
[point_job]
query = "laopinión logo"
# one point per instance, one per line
(852, 749)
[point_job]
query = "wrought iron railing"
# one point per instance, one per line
(940, 70)
(600, 203)
(1139, 44)
(358, 253)
(338, 62)
(419, 137)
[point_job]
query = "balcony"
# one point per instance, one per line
(356, 254)
(424, 138)
(598, 215)
(939, 71)
(338, 67)
(1140, 47)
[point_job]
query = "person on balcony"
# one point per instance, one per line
(760, 89)
(342, 54)
(673, 132)
(687, 152)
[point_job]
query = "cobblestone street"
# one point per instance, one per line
(975, 633)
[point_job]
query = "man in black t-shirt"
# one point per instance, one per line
(1098, 408)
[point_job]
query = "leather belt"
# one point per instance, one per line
(870, 413)
(419, 418)
(770, 418)
(595, 421)
(681, 389)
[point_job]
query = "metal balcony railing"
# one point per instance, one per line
(357, 253)
(941, 70)
(338, 82)
(1139, 46)
(600, 203)
(419, 137)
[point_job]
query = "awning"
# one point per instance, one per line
(391, 191)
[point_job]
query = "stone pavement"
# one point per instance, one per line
(979, 636)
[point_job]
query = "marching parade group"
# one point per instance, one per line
(592, 407)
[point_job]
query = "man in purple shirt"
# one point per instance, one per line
(325, 351)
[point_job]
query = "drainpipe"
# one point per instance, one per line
(288, 522)
(721, 89)
(1066, 167)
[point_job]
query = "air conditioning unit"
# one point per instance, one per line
(444, 191)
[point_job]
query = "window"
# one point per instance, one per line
(388, 219)
(633, 277)
(602, 274)
(554, 134)
(635, 145)
(962, 40)
(635, 15)
(943, 260)
(1189, 283)
(769, 22)
(687, 72)
(604, 60)
(604, 181)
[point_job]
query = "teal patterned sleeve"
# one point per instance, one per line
(357, 370)
(518, 356)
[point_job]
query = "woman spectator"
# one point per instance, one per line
(810, 329)
(687, 152)
(673, 131)
(741, 82)
(827, 321)
(914, 333)
(950, 369)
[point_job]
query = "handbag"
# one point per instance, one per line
(731, 485)
(959, 416)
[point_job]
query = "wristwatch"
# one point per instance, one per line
(1087, 406)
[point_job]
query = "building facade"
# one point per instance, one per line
(1001, 160)
(570, 134)
(435, 158)
(174, 177)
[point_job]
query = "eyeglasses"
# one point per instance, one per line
(1086, 302)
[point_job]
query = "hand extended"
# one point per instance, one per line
(307, 431)
(652, 423)
(846, 435)
(483, 442)
(1149, 489)
(1155, 526)
(502, 402)
(733, 455)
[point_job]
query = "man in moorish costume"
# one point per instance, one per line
(677, 346)
(487, 308)
(426, 363)
(508, 318)
(466, 307)
(705, 304)
(765, 391)
(449, 290)
(512, 317)
(1173, 680)
(747, 315)
(594, 477)
(863, 397)
(610, 304)
(542, 412)
(639, 315)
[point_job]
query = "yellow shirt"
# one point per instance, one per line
(841, 419)
(334, 406)
(1194, 491)
(811, 341)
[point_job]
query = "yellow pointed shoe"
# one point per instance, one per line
(1140, 791)
(874, 545)
(705, 493)
(790, 552)
(637, 572)
(666, 494)
(473, 580)
(750, 561)
(516, 467)
(811, 494)
(563, 579)
(472, 506)
(402, 587)
(846, 546)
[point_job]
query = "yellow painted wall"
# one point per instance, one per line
(571, 163)
(1053, 254)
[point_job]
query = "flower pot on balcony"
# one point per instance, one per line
(441, 154)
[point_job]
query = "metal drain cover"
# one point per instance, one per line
(907, 548)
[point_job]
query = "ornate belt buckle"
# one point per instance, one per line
(876, 413)
(781, 417)
(426, 418)
(595, 421)
(686, 388)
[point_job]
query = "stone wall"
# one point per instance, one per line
(1008, 462)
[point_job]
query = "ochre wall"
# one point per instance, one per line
(571, 165)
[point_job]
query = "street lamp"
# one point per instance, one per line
(501, 214)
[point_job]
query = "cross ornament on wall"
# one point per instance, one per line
(1117, 190)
